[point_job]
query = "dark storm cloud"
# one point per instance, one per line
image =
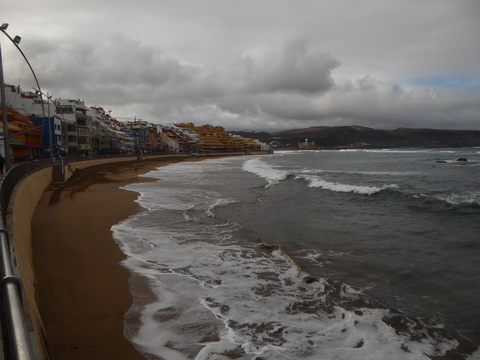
(235, 64)
(118, 61)
(290, 82)
(292, 68)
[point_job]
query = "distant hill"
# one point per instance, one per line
(364, 137)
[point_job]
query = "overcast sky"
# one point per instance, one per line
(255, 64)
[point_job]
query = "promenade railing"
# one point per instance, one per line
(16, 339)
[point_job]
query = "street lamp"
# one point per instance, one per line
(4, 111)
(49, 97)
(15, 41)
(18, 333)
(63, 133)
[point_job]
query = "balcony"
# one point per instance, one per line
(83, 132)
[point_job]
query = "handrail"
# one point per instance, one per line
(13, 317)
(13, 177)
(17, 344)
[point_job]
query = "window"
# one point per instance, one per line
(64, 110)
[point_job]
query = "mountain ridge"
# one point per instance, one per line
(356, 136)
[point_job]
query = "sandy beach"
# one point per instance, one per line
(83, 290)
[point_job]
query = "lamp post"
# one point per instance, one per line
(15, 41)
(63, 132)
(50, 127)
(49, 97)
(4, 111)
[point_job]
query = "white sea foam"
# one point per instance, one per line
(258, 167)
(454, 199)
(306, 171)
(390, 151)
(475, 356)
(460, 199)
(274, 176)
(318, 182)
(217, 203)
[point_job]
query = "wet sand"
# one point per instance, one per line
(83, 290)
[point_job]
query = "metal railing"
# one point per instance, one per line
(13, 177)
(17, 344)
(16, 340)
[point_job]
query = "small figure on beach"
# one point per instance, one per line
(77, 170)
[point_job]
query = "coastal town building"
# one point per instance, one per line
(176, 143)
(100, 139)
(41, 111)
(25, 138)
(140, 131)
(306, 145)
(41, 127)
(108, 135)
(77, 124)
(216, 139)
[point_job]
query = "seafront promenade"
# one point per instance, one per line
(67, 260)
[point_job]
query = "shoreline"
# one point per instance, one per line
(83, 290)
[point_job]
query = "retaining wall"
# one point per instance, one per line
(22, 207)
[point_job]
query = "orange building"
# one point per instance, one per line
(25, 138)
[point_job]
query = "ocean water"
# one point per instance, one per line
(361, 254)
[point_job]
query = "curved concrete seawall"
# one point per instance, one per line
(25, 199)
(22, 207)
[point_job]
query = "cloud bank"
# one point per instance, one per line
(343, 73)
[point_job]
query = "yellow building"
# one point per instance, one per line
(251, 145)
(215, 139)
